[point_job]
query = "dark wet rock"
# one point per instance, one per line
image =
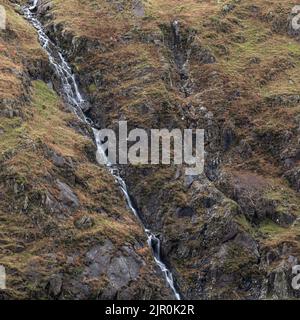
(228, 137)
(185, 212)
(209, 202)
(86, 106)
(180, 41)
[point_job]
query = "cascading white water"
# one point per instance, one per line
(73, 97)
(34, 4)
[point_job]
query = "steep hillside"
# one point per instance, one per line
(232, 69)
(229, 67)
(65, 231)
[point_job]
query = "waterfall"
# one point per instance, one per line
(73, 97)
(34, 5)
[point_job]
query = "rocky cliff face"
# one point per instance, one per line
(229, 68)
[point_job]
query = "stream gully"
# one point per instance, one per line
(73, 97)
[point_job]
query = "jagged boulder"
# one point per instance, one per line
(67, 196)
